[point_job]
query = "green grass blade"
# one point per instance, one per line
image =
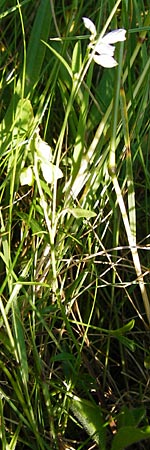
(36, 50)
(129, 170)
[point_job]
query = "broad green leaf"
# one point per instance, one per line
(91, 418)
(16, 124)
(76, 58)
(129, 435)
(130, 416)
(64, 356)
(36, 50)
(23, 118)
(78, 213)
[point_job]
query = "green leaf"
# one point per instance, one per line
(14, 440)
(34, 224)
(78, 213)
(60, 58)
(129, 343)
(147, 362)
(17, 123)
(20, 340)
(63, 356)
(36, 50)
(91, 418)
(130, 416)
(23, 118)
(129, 435)
(125, 329)
(76, 58)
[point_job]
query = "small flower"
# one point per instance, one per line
(104, 51)
(90, 26)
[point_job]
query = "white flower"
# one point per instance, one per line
(104, 51)
(90, 26)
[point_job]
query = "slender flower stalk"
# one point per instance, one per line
(104, 50)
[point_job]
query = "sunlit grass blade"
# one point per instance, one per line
(130, 227)
(129, 170)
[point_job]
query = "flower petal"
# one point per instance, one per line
(50, 172)
(105, 60)
(114, 36)
(105, 49)
(89, 25)
(26, 176)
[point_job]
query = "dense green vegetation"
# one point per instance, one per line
(74, 227)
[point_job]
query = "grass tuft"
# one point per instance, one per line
(74, 228)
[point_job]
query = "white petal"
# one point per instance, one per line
(105, 49)
(43, 149)
(114, 36)
(26, 176)
(51, 172)
(105, 60)
(89, 25)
